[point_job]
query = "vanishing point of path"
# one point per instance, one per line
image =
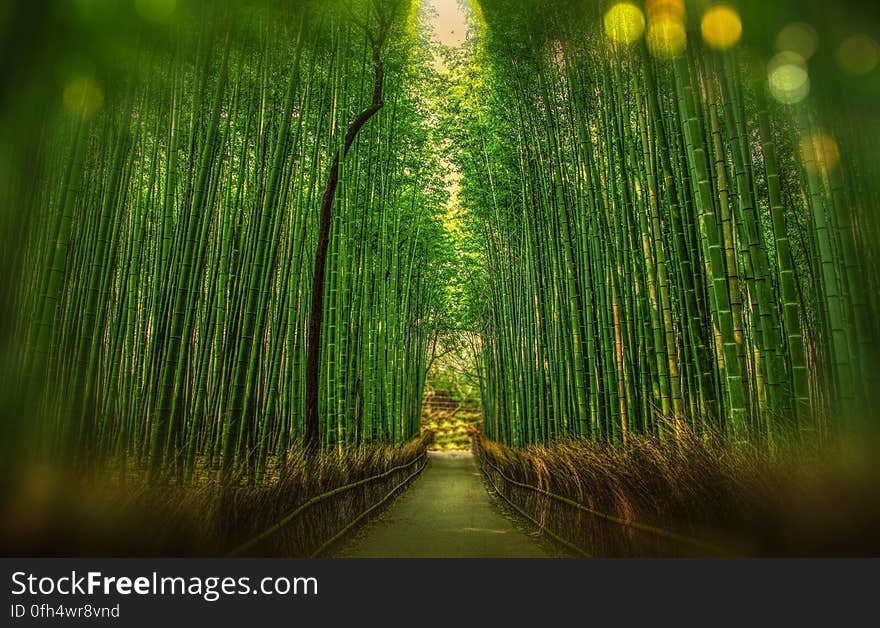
(446, 513)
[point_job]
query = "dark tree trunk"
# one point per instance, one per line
(312, 439)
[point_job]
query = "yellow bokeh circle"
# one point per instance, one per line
(657, 9)
(721, 27)
(666, 37)
(624, 23)
(819, 152)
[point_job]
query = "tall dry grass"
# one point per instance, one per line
(49, 512)
(728, 501)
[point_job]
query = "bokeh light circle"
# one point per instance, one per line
(787, 78)
(799, 38)
(666, 37)
(624, 23)
(721, 27)
(819, 152)
(858, 55)
(657, 9)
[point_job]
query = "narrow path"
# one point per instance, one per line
(445, 514)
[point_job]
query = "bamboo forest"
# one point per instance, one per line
(321, 277)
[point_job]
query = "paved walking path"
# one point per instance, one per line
(446, 513)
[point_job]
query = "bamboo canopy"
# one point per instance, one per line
(242, 227)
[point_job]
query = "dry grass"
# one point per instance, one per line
(734, 501)
(52, 513)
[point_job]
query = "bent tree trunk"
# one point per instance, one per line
(312, 439)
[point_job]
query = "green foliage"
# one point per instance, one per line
(623, 244)
(173, 226)
(659, 248)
